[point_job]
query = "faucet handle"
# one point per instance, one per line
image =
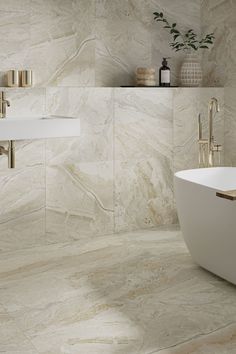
(217, 148)
(199, 127)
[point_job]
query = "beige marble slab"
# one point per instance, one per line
(12, 339)
(217, 342)
(136, 293)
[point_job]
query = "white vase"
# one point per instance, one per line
(191, 71)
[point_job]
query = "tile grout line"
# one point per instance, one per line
(192, 338)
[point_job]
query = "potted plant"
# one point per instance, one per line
(189, 43)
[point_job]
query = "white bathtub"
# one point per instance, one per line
(208, 222)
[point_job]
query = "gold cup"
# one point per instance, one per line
(13, 78)
(26, 78)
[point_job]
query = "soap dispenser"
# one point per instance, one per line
(164, 74)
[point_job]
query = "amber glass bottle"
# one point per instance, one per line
(164, 74)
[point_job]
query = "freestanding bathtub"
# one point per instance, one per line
(208, 222)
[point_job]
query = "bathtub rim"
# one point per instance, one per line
(189, 175)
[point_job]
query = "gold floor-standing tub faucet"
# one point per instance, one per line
(10, 152)
(3, 104)
(208, 147)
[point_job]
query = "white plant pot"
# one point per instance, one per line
(191, 71)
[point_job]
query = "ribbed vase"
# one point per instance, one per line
(191, 71)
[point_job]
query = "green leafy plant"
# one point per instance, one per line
(187, 40)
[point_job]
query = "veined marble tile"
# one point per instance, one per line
(22, 215)
(220, 341)
(186, 14)
(143, 193)
(22, 191)
(15, 35)
(26, 103)
(81, 202)
(188, 103)
(59, 42)
(143, 158)
(230, 126)
(136, 293)
(143, 121)
(23, 231)
(11, 338)
(123, 43)
(94, 108)
(219, 62)
(186, 110)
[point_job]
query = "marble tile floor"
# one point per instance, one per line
(130, 293)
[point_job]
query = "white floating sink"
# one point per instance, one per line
(49, 127)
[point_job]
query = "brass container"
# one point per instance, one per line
(26, 78)
(13, 78)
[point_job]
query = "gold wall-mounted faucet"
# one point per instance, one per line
(208, 147)
(10, 152)
(3, 104)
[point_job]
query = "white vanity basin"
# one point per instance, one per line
(49, 127)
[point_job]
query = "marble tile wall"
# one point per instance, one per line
(188, 103)
(128, 37)
(119, 174)
(80, 170)
(89, 42)
(143, 121)
(22, 202)
(220, 63)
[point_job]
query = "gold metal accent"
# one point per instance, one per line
(27, 78)
(207, 147)
(230, 195)
(13, 78)
(3, 104)
(10, 152)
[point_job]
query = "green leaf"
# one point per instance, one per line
(161, 14)
(174, 25)
(156, 13)
(176, 45)
(204, 46)
(174, 31)
(176, 36)
(166, 27)
(192, 46)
